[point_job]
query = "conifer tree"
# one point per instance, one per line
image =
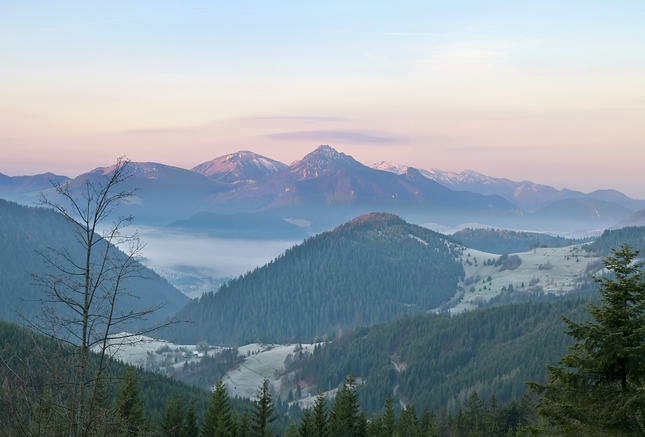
(244, 430)
(320, 416)
(218, 414)
(130, 413)
(473, 415)
(306, 426)
(492, 424)
(345, 420)
(407, 423)
(599, 388)
(172, 422)
(292, 430)
(427, 423)
(263, 413)
(191, 429)
(389, 417)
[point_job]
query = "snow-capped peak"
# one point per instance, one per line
(391, 167)
(239, 166)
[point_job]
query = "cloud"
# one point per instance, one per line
(341, 119)
(152, 131)
(340, 136)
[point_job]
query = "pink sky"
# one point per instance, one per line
(546, 93)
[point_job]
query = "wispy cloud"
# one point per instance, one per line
(305, 118)
(151, 131)
(340, 136)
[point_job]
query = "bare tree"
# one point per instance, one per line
(79, 304)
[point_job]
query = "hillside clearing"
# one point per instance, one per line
(550, 270)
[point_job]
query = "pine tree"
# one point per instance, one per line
(244, 430)
(191, 429)
(218, 414)
(604, 393)
(172, 422)
(407, 424)
(306, 426)
(473, 415)
(389, 417)
(263, 413)
(492, 424)
(320, 416)
(291, 431)
(427, 424)
(345, 420)
(130, 413)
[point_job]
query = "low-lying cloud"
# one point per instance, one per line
(166, 251)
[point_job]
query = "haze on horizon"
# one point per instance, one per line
(552, 92)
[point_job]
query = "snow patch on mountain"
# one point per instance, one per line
(240, 166)
(391, 167)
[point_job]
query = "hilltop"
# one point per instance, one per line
(371, 269)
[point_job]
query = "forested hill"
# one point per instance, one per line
(502, 240)
(632, 235)
(369, 270)
(25, 231)
(19, 346)
(443, 359)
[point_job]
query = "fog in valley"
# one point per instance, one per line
(196, 264)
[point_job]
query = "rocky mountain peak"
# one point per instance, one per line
(323, 156)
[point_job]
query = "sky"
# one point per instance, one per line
(551, 91)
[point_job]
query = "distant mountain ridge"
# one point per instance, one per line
(524, 194)
(499, 241)
(327, 187)
(19, 188)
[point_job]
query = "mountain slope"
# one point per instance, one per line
(636, 219)
(369, 270)
(613, 239)
(163, 193)
(440, 360)
(238, 167)
(25, 231)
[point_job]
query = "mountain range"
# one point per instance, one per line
(327, 187)
(525, 194)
